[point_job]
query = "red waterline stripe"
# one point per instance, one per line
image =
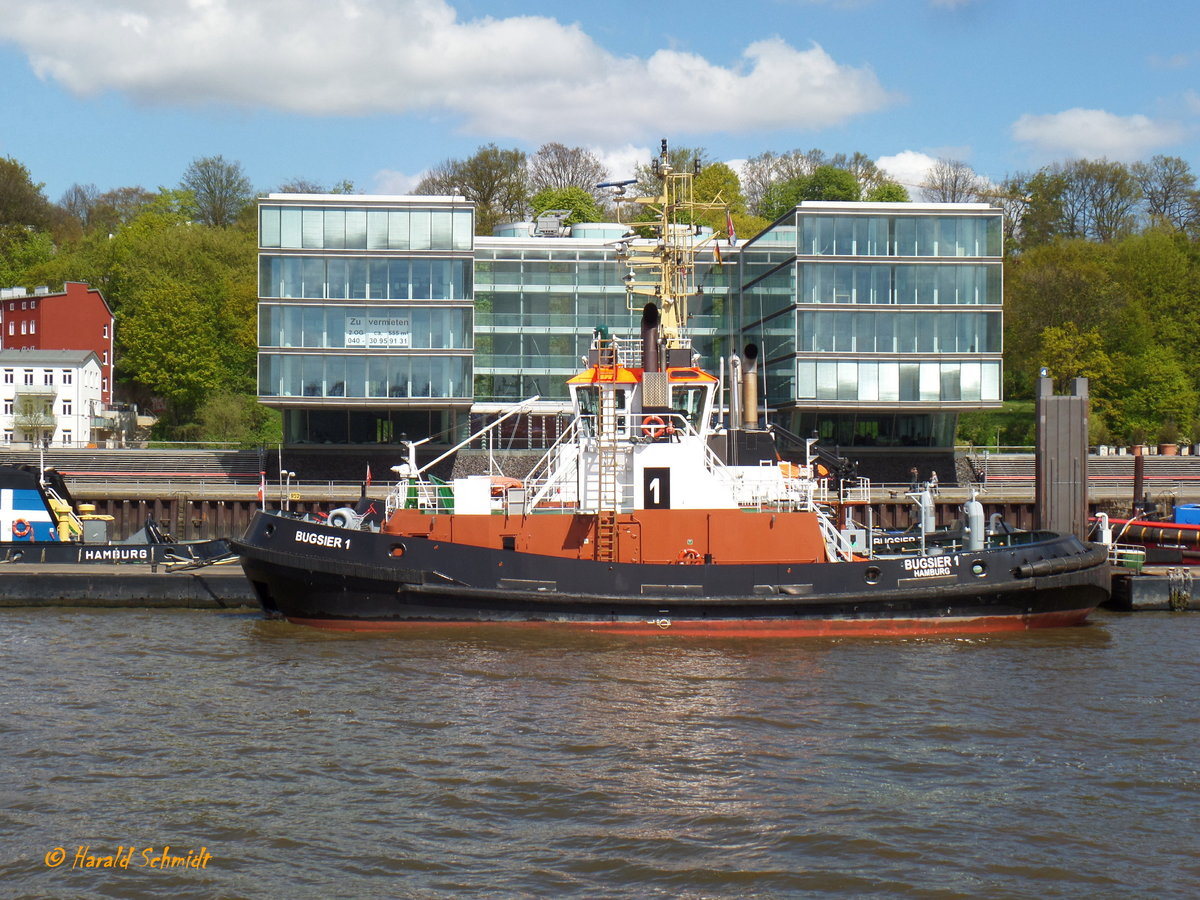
(741, 627)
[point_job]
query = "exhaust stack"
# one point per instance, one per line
(750, 387)
(651, 360)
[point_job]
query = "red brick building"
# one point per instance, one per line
(78, 318)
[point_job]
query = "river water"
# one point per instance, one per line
(283, 762)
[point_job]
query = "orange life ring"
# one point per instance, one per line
(688, 557)
(21, 528)
(653, 427)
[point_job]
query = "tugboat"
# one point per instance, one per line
(649, 516)
(41, 523)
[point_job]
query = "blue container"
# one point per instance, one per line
(1187, 514)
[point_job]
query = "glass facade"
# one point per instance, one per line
(366, 316)
(380, 316)
(538, 301)
(861, 305)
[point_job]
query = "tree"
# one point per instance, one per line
(1158, 389)
(494, 179)
(680, 159)
(831, 183)
(34, 419)
(763, 173)
(219, 190)
(118, 207)
(306, 186)
(888, 192)
(1051, 285)
(1092, 199)
(78, 201)
(868, 175)
(1168, 191)
(22, 251)
(953, 181)
(1069, 354)
(238, 418)
(556, 167)
(186, 299)
(21, 200)
(825, 183)
(580, 202)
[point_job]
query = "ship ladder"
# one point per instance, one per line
(608, 499)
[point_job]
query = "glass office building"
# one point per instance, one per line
(386, 316)
(366, 316)
(877, 323)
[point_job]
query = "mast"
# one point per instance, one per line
(664, 268)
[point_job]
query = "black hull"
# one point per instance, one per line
(352, 580)
(68, 553)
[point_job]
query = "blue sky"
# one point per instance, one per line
(118, 93)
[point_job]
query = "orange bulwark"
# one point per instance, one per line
(720, 536)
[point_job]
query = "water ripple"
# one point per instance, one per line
(1057, 764)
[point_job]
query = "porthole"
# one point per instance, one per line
(269, 529)
(872, 574)
(979, 568)
(397, 550)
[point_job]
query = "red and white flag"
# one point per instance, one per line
(262, 486)
(368, 474)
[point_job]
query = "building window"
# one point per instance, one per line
(48, 377)
(106, 357)
(33, 327)
(12, 327)
(67, 408)
(24, 326)
(8, 407)
(8, 435)
(105, 331)
(68, 438)
(28, 373)
(8, 376)
(66, 376)
(104, 384)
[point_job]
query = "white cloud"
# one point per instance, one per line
(1095, 134)
(908, 168)
(527, 76)
(389, 181)
(622, 162)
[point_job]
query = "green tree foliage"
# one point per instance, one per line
(495, 180)
(22, 252)
(718, 183)
(21, 199)
(1124, 313)
(219, 190)
(185, 298)
(888, 192)
(580, 202)
(825, 183)
(238, 418)
(1158, 389)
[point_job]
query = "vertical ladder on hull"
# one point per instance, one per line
(606, 451)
